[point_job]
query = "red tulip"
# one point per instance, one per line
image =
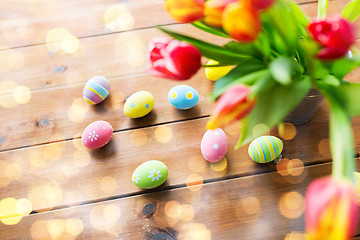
(331, 209)
(233, 105)
(260, 4)
(185, 11)
(214, 10)
(173, 59)
(241, 22)
(335, 35)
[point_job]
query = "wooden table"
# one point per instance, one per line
(65, 191)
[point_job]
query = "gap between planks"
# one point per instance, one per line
(117, 32)
(114, 132)
(172, 187)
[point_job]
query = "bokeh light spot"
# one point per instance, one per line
(291, 205)
(74, 226)
(22, 94)
(112, 213)
(187, 213)
(295, 236)
(163, 134)
(194, 182)
(219, 166)
(295, 167)
(260, 129)
(287, 131)
(118, 18)
(8, 213)
(324, 147)
(108, 185)
(78, 110)
(282, 167)
(138, 138)
(173, 209)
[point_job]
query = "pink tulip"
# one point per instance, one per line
(173, 59)
(233, 105)
(331, 209)
(260, 4)
(335, 35)
(185, 11)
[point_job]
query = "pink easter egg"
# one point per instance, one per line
(214, 145)
(97, 134)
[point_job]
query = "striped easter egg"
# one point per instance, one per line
(96, 90)
(265, 149)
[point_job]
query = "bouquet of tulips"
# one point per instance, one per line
(274, 55)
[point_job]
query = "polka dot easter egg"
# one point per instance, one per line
(139, 104)
(97, 134)
(183, 97)
(150, 174)
(265, 149)
(214, 145)
(96, 90)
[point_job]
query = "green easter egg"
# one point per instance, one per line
(265, 149)
(150, 174)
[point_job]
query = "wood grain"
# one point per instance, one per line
(29, 21)
(115, 55)
(263, 206)
(77, 175)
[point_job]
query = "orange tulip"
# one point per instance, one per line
(331, 209)
(185, 11)
(233, 105)
(241, 22)
(214, 10)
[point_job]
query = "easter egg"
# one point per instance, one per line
(150, 174)
(183, 97)
(265, 149)
(97, 134)
(214, 73)
(139, 104)
(96, 90)
(214, 145)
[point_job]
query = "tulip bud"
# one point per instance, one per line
(185, 11)
(214, 73)
(335, 35)
(260, 4)
(214, 10)
(233, 105)
(331, 209)
(173, 59)
(241, 22)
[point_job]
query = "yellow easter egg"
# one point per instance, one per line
(214, 73)
(139, 104)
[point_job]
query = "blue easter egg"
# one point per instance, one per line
(183, 97)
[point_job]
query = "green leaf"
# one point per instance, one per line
(341, 139)
(343, 66)
(244, 49)
(352, 10)
(331, 80)
(350, 91)
(281, 70)
(209, 50)
(273, 103)
(322, 8)
(238, 75)
(213, 30)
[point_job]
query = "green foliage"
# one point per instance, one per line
(322, 8)
(352, 10)
(213, 30)
(209, 50)
(284, 69)
(351, 96)
(273, 103)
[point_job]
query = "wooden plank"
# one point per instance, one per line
(264, 206)
(77, 175)
(112, 55)
(29, 22)
(61, 113)
(47, 118)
